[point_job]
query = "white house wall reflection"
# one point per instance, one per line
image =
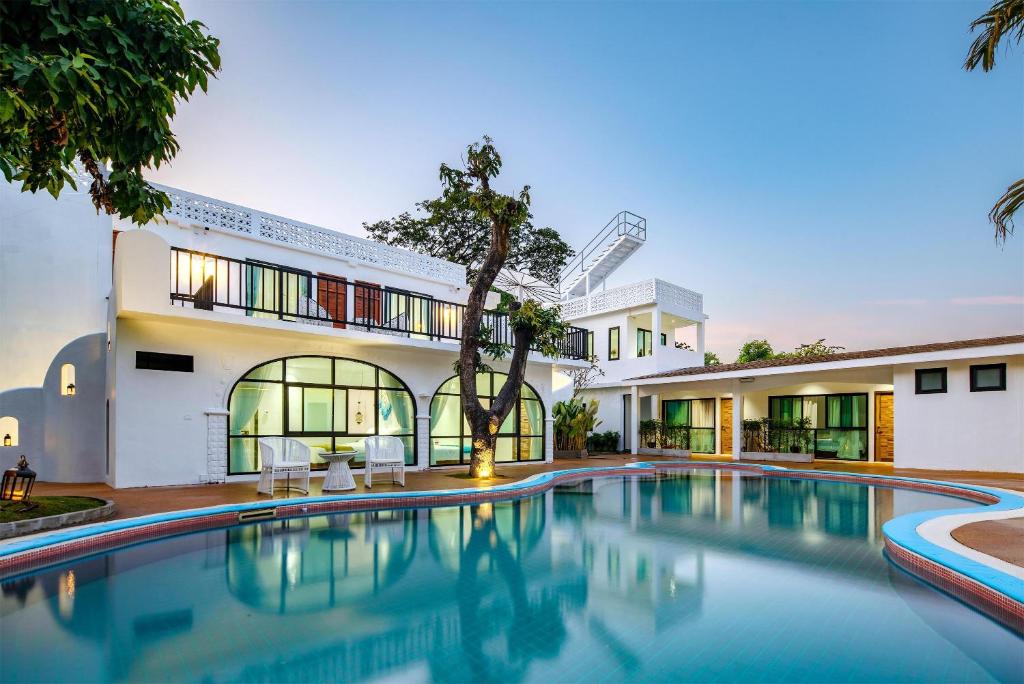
(483, 593)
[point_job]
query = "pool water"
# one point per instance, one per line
(699, 576)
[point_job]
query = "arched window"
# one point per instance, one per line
(323, 401)
(520, 438)
(8, 431)
(67, 380)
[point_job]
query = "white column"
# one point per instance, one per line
(549, 439)
(216, 445)
(634, 418)
(871, 425)
(655, 407)
(701, 330)
(422, 441)
(737, 422)
(718, 425)
(655, 332)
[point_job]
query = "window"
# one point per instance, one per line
(67, 380)
(643, 342)
(325, 402)
(833, 425)
(930, 381)
(988, 378)
(689, 424)
(664, 340)
(8, 431)
(520, 437)
(613, 344)
(181, 363)
(590, 344)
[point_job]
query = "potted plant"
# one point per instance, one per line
(649, 430)
(573, 421)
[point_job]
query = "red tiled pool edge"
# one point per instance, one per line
(984, 599)
(1001, 607)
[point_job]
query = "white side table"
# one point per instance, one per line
(339, 475)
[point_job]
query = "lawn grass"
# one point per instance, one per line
(47, 505)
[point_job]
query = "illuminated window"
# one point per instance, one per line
(67, 380)
(322, 401)
(8, 431)
(520, 437)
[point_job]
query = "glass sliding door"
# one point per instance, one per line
(520, 436)
(689, 424)
(837, 424)
(324, 402)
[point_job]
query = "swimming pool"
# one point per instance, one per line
(699, 575)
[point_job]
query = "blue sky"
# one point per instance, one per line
(816, 169)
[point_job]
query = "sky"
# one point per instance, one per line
(815, 169)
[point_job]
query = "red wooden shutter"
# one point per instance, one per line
(368, 301)
(331, 295)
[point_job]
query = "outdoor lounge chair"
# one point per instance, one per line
(283, 456)
(384, 453)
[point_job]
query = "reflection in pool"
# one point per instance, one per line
(697, 576)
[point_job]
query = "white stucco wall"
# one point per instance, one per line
(55, 268)
(162, 419)
(55, 258)
(960, 429)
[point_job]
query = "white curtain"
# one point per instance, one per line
(703, 413)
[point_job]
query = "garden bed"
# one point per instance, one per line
(52, 512)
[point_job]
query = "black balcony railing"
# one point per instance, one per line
(263, 290)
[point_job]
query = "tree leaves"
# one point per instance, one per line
(99, 81)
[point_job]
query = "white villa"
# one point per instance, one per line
(158, 356)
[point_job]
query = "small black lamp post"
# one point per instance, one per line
(70, 389)
(7, 440)
(17, 484)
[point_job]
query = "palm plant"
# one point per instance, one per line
(574, 420)
(1005, 18)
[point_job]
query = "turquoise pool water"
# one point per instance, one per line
(699, 576)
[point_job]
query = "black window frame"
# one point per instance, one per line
(644, 338)
(287, 431)
(920, 372)
(1001, 367)
(825, 420)
(664, 339)
(618, 343)
(517, 434)
(590, 345)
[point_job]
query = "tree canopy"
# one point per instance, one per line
(761, 350)
(1004, 19)
(450, 228)
(711, 359)
(98, 82)
(533, 326)
(755, 350)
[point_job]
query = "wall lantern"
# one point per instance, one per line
(359, 413)
(7, 440)
(17, 484)
(70, 389)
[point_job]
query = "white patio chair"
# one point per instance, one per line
(384, 453)
(283, 456)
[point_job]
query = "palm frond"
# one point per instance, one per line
(1005, 207)
(1005, 18)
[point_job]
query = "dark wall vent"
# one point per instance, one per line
(181, 363)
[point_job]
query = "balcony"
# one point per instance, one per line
(668, 297)
(262, 290)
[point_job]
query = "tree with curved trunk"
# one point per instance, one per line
(1004, 19)
(532, 325)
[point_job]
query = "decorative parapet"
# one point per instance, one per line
(644, 293)
(210, 213)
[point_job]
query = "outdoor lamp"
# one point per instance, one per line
(7, 440)
(17, 484)
(70, 389)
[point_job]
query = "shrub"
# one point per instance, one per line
(603, 441)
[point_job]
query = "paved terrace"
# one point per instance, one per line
(1002, 539)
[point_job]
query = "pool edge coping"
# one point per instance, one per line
(986, 588)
